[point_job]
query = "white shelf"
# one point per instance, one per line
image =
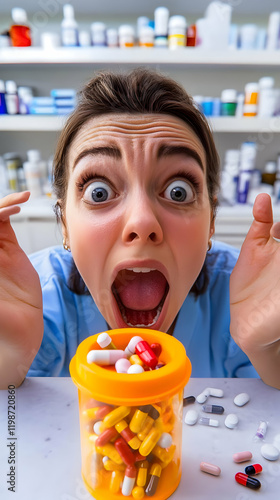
(138, 56)
(45, 123)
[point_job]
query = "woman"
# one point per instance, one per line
(136, 177)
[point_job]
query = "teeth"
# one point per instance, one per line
(140, 269)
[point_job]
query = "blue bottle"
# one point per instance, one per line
(3, 108)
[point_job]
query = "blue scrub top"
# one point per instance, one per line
(202, 323)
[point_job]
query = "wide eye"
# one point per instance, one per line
(98, 192)
(179, 191)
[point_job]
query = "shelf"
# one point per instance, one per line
(44, 123)
(138, 56)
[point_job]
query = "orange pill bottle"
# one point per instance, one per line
(131, 424)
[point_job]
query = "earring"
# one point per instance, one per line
(65, 246)
(209, 245)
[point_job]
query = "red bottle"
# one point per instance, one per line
(20, 31)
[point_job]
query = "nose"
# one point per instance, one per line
(141, 222)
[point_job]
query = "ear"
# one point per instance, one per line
(213, 217)
(61, 218)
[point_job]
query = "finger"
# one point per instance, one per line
(263, 219)
(6, 212)
(14, 199)
(275, 231)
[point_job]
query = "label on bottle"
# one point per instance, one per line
(69, 37)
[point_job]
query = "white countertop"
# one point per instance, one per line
(48, 444)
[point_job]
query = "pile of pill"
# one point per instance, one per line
(137, 357)
(129, 447)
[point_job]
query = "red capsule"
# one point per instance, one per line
(145, 353)
(253, 469)
(106, 436)
(156, 347)
(124, 451)
(250, 482)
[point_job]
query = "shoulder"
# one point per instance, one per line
(52, 261)
(221, 258)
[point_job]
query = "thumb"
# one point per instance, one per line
(263, 219)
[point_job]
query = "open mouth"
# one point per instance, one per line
(140, 294)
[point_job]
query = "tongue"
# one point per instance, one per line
(140, 291)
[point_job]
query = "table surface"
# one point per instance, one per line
(47, 444)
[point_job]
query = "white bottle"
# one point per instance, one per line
(229, 177)
(272, 41)
(69, 27)
(277, 182)
(126, 36)
(161, 16)
(32, 172)
(267, 104)
(177, 32)
(247, 164)
(98, 34)
(11, 98)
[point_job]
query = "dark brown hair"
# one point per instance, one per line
(140, 91)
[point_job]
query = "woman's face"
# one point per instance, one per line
(137, 215)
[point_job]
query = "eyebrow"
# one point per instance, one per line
(111, 151)
(166, 150)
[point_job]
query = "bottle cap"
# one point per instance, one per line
(2, 86)
(126, 30)
(177, 22)
(68, 11)
(232, 156)
(270, 167)
(19, 15)
(266, 82)
(33, 155)
(229, 95)
(98, 27)
(11, 87)
(252, 87)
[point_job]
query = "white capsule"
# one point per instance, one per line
(127, 486)
(209, 421)
(231, 421)
(201, 398)
(130, 348)
(270, 452)
(216, 393)
(165, 440)
(241, 399)
(105, 357)
(191, 417)
(135, 369)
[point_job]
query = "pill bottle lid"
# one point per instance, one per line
(104, 384)
(177, 22)
(68, 11)
(126, 30)
(2, 86)
(146, 31)
(19, 15)
(232, 156)
(270, 167)
(11, 156)
(252, 87)
(229, 95)
(98, 26)
(11, 87)
(266, 82)
(33, 155)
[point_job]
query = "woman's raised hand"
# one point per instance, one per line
(21, 313)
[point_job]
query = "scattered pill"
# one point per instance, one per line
(250, 482)
(191, 417)
(253, 469)
(165, 440)
(218, 410)
(209, 421)
(270, 452)
(105, 341)
(188, 400)
(201, 398)
(242, 456)
(135, 369)
(261, 430)
(241, 399)
(216, 393)
(210, 468)
(231, 421)
(122, 365)
(105, 357)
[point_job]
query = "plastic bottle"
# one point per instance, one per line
(112, 38)
(228, 102)
(20, 31)
(247, 164)
(269, 173)
(126, 36)
(98, 34)
(177, 32)
(277, 182)
(84, 38)
(3, 107)
(161, 16)
(229, 177)
(69, 27)
(248, 36)
(267, 104)
(272, 40)
(191, 36)
(251, 99)
(146, 36)
(11, 97)
(13, 163)
(25, 96)
(32, 172)
(3, 178)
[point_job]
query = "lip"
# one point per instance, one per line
(145, 263)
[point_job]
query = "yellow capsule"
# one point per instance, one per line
(138, 492)
(115, 482)
(149, 422)
(138, 420)
(154, 476)
(135, 360)
(142, 473)
(109, 465)
(129, 436)
(116, 415)
(108, 450)
(90, 412)
(164, 455)
(149, 442)
(155, 470)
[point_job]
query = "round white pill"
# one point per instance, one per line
(270, 452)
(231, 421)
(135, 369)
(201, 398)
(276, 442)
(165, 440)
(191, 417)
(241, 399)
(97, 427)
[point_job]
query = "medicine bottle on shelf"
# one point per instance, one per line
(126, 36)
(11, 97)
(251, 99)
(20, 31)
(161, 17)
(69, 27)
(32, 172)
(277, 182)
(269, 173)
(191, 36)
(177, 32)
(146, 36)
(3, 108)
(267, 96)
(228, 102)
(98, 34)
